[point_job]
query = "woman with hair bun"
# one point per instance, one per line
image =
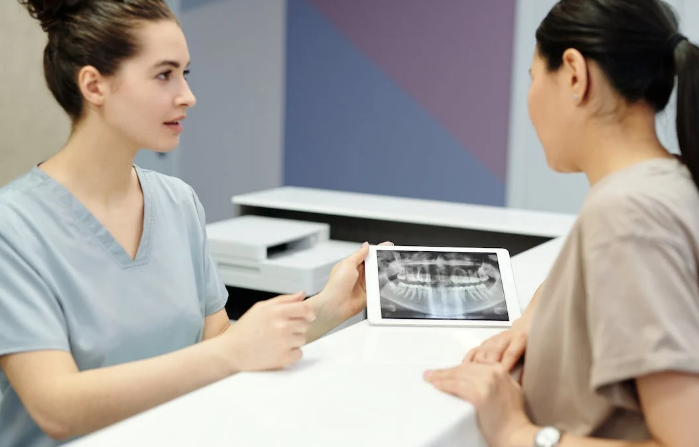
(110, 303)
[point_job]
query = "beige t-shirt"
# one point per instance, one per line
(621, 301)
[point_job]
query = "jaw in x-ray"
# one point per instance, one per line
(441, 284)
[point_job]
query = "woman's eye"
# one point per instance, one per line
(186, 73)
(164, 76)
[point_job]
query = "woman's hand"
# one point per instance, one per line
(270, 334)
(346, 287)
(506, 348)
(493, 392)
(344, 295)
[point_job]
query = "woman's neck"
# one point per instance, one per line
(611, 147)
(95, 163)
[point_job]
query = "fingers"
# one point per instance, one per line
(360, 255)
(293, 356)
(470, 381)
(293, 310)
(455, 381)
(470, 355)
(356, 258)
(514, 352)
(297, 340)
(298, 296)
(462, 370)
(455, 387)
(291, 327)
(441, 374)
(481, 355)
(491, 351)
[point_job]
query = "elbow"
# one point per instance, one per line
(58, 433)
(55, 430)
(54, 425)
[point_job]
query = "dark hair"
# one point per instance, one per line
(637, 45)
(89, 32)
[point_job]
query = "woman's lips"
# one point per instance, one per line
(175, 126)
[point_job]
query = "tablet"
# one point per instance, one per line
(440, 286)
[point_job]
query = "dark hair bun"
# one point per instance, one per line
(52, 12)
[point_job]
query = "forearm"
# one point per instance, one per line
(526, 439)
(328, 317)
(90, 400)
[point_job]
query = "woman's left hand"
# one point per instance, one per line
(346, 287)
(493, 392)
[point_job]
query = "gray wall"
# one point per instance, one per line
(232, 142)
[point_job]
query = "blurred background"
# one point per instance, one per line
(409, 98)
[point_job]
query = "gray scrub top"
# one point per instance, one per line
(66, 284)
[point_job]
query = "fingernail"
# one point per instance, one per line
(365, 244)
(428, 373)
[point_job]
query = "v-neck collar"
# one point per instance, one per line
(95, 228)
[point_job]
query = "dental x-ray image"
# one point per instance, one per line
(441, 285)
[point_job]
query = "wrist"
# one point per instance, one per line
(523, 436)
(224, 352)
(328, 308)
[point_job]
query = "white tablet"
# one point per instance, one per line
(445, 286)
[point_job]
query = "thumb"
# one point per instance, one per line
(281, 299)
(356, 258)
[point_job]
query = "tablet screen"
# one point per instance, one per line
(440, 285)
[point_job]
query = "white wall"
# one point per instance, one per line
(531, 184)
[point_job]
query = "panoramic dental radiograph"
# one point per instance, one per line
(441, 285)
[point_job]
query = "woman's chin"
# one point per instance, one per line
(558, 166)
(163, 147)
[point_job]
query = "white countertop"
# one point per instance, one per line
(359, 386)
(531, 267)
(397, 209)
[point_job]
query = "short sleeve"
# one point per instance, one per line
(215, 292)
(31, 317)
(643, 310)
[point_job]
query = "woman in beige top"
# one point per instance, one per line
(612, 336)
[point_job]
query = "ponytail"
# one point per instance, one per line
(687, 66)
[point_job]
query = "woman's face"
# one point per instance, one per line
(148, 97)
(552, 112)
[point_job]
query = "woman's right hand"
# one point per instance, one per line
(506, 348)
(270, 334)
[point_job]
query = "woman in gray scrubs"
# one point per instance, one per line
(612, 336)
(110, 303)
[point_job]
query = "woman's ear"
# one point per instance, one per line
(92, 85)
(576, 75)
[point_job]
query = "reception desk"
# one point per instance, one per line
(358, 386)
(355, 218)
